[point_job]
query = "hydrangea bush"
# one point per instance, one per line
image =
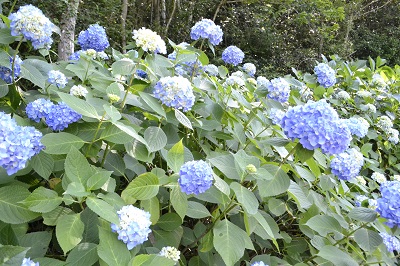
(147, 159)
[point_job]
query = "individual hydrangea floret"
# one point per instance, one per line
(392, 243)
(149, 41)
(378, 177)
(95, 37)
(78, 90)
(369, 108)
(175, 92)
(258, 263)
(276, 115)
(171, 253)
(141, 74)
(234, 81)
(250, 69)
(38, 109)
(33, 25)
(6, 72)
(317, 125)
(384, 123)
(347, 165)
(359, 199)
(211, 70)
(388, 204)
(358, 126)
(195, 177)
(325, 74)
(18, 144)
(29, 262)
(343, 95)
(364, 94)
(61, 116)
(278, 90)
(393, 135)
(232, 55)
(57, 78)
(134, 226)
(206, 29)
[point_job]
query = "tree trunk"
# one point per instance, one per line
(124, 14)
(67, 27)
(170, 19)
(191, 9)
(163, 12)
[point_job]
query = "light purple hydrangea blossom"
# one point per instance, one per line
(325, 74)
(250, 69)
(57, 78)
(6, 73)
(95, 37)
(29, 262)
(195, 177)
(358, 126)
(347, 165)
(388, 204)
(392, 243)
(207, 29)
(278, 90)
(232, 55)
(258, 263)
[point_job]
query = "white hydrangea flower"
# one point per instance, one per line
(78, 90)
(378, 177)
(361, 180)
(364, 94)
(396, 177)
(149, 41)
(343, 95)
(170, 253)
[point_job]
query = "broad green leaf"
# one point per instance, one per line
(156, 138)
(77, 168)
(38, 243)
(153, 207)
(304, 173)
(324, 224)
(42, 200)
(298, 195)
(69, 230)
(168, 238)
(226, 164)
(82, 69)
(97, 180)
(183, 119)
(83, 254)
(111, 250)
(153, 103)
(3, 88)
(368, 240)
(276, 206)
(43, 164)
(79, 105)
(143, 187)
(49, 262)
(175, 157)
(112, 112)
(125, 66)
(151, 260)
(130, 131)
(76, 189)
(266, 226)
(278, 185)
(302, 153)
(246, 198)
(103, 209)
(179, 201)
(61, 143)
(5, 36)
(31, 73)
(11, 209)
(169, 221)
(115, 135)
(336, 256)
(91, 229)
(12, 255)
(139, 151)
(197, 210)
(51, 218)
(363, 214)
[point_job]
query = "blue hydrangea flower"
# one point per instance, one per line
(195, 177)
(393, 135)
(392, 243)
(17, 144)
(207, 29)
(95, 37)
(175, 92)
(347, 165)
(190, 68)
(278, 90)
(384, 123)
(388, 204)
(57, 78)
(33, 25)
(358, 126)
(38, 109)
(29, 262)
(149, 41)
(211, 70)
(234, 81)
(6, 73)
(142, 74)
(60, 116)
(75, 56)
(232, 55)
(325, 74)
(276, 116)
(317, 125)
(359, 199)
(134, 226)
(250, 69)
(258, 263)
(262, 82)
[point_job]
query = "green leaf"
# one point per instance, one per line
(143, 187)
(77, 168)
(49, 262)
(115, 135)
(153, 103)
(43, 164)
(51, 218)
(115, 163)
(111, 250)
(31, 73)
(266, 226)
(151, 260)
(197, 210)
(324, 224)
(97, 180)
(130, 131)
(183, 119)
(83, 254)
(368, 240)
(38, 243)
(169, 221)
(6, 37)
(103, 209)
(12, 255)
(336, 256)
(12, 211)
(168, 238)
(124, 66)
(278, 185)
(175, 157)
(61, 143)
(303, 154)
(226, 164)
(363, 214)
(3, 88)
(79, 105)
(156, 138)
(91, 229)
(42, 200)
(246, 198)
(298, 195)
(69, 230)
(153, 207)
(179, 201)
(76, 189)
(112, 112)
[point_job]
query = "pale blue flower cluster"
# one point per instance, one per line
(347, 165)
(57, 116)
(391, 242)
(175, 92)
(278, 90)
(95, 37)
(134, 226)
(250, 69)
(33, 25)
(317, 125)
(325, 74)
(232, 55)
(343, 95)
(234, 81)
(90, 52)
(388, 204)
(393, 135)
(195, 177)
(57, 78)
(276, 115)
(258, 263)
(17, 144)
(358, 126)
(384, 123)
(206, 29)
(190, 68)
(6, 72)
(369, 108)
(211, 70)
(29, 262)
(262, 82)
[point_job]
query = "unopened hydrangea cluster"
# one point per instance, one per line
(262, 82)
(368, 108)
(392, 243)
(278, 90)
(89, 52)
(33, 25)
(171, 253)
(6, 72)
(134, 226)
(206, 29)
(78, 91)
(384, 123)
(232, 55)
(29, 262)
(393, 135)
(325, 75)
(18, 144)
(190, 68)
(388, 203)
(149, 41)
(175, 92)
(347, 165)
(195, 177)
(358, 126)
(250, 69)
(95, 37)
(317, 125)
(57, 116)
(57, 78)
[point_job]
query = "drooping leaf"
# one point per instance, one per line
(79, 105)
(336, 256)
(143, 187)
(42, 200)
(69, 230)
(179, 201)
(245, 197)
(103, 209)
(176, 158)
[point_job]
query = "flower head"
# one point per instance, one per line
(171, 253)
(384, 123)
(278, 90)
(358, 126)
(207, 29)
(33, 25)
(78, 90)
(359, 199)
(250, 69)
(232, 55)
(175, 92)
(134, 226)
(369, 108)
(393, 135)
(347, 165)
(325, 75)
(392, 243)
(258, 263)
(234, 81)
(38, 109)
(149, 41)
(276, 116)
(262, 82)
(388, 204)
(57, 78)
(378, 177)
(141, 74)
(361, 180)
(60, 116)
(195, 177)
(95, 37)
(211, 70)
(6, 72)
(29, 262)
(364, 94)
(343, 95)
